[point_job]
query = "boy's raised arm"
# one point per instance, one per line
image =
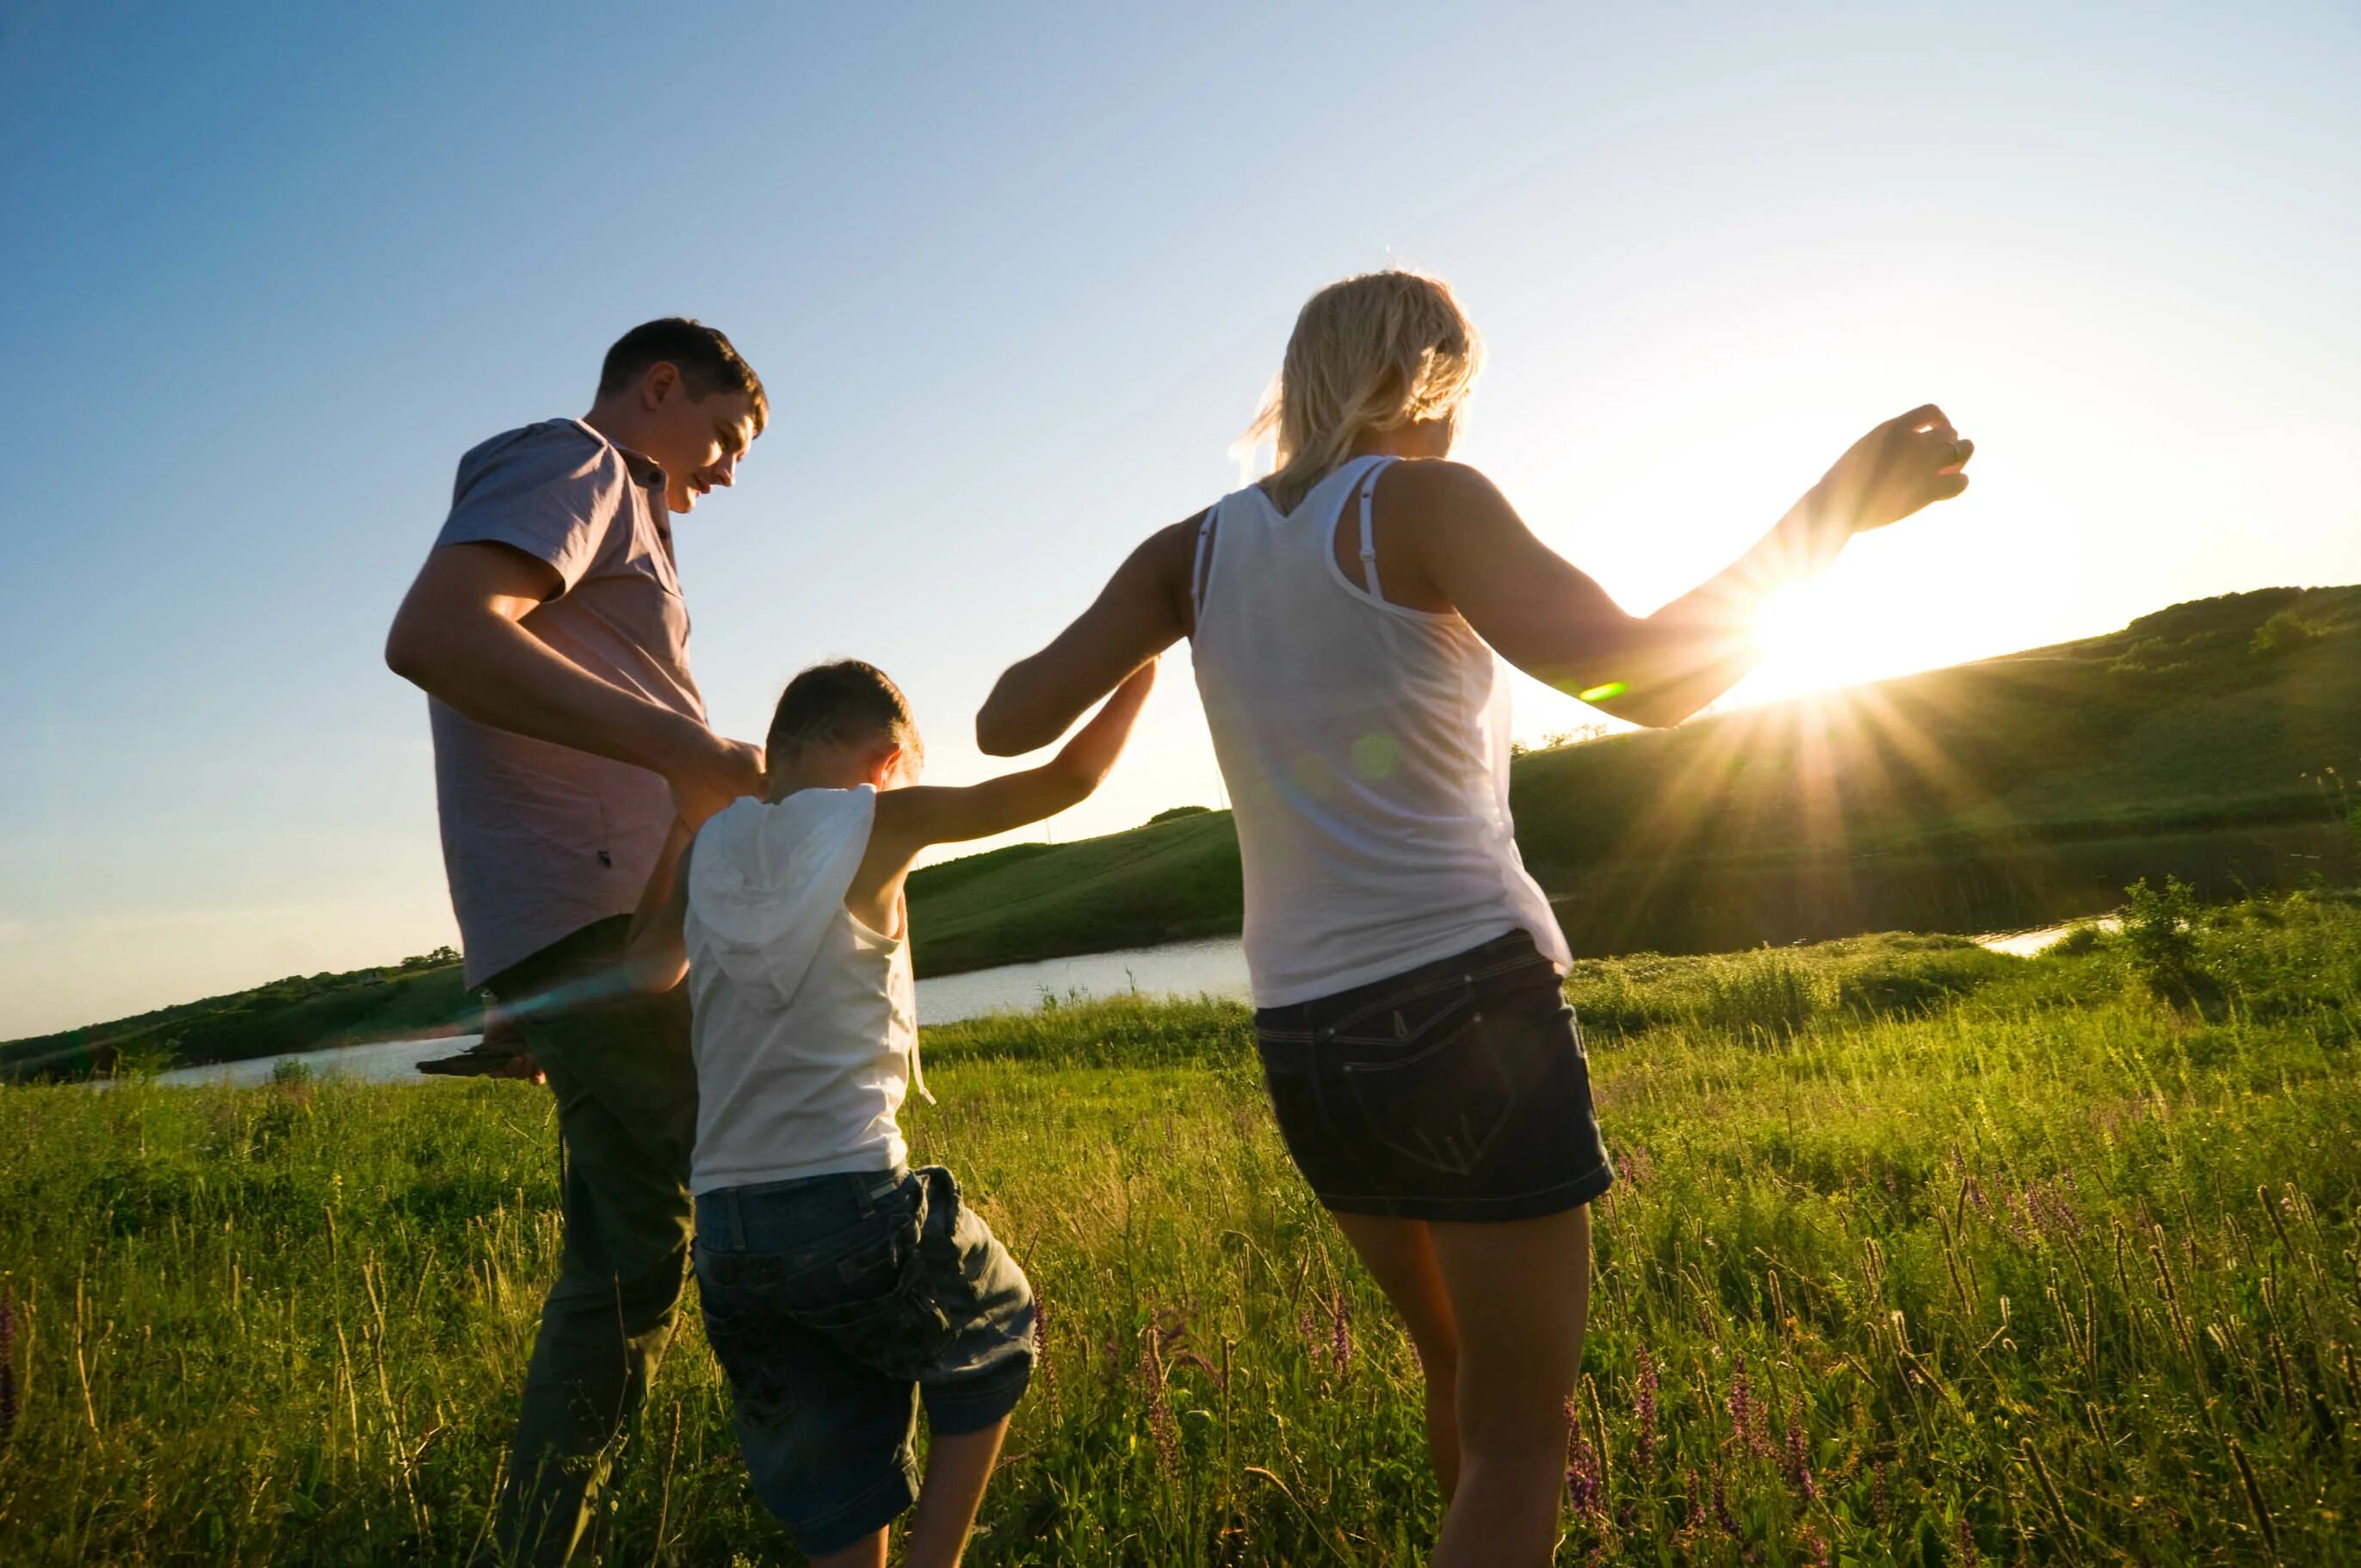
(655, 957)
(910, 819)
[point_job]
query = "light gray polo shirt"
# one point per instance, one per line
(540, 841)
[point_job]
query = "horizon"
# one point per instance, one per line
(1850, 706)
(1705, 253)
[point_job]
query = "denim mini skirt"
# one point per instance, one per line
(1457, 1092)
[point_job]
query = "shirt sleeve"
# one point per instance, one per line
(548, 491)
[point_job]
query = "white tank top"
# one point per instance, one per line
(805, 1021)
(1366, 748)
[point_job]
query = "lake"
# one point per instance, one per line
(1216, 966)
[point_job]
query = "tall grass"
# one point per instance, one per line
(2017, 1262)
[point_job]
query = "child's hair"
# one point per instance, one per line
(848, 700)
(1375, 352)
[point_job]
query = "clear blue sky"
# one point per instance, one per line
(1014, 278)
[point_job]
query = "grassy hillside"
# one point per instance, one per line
(2203, 741)
(2210, 740)
(1920, 1255)
(420, 996)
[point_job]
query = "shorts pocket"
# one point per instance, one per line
(742, 1340)
(895, 1321)
(1442, 1105)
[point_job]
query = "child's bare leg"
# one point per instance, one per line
(958, 1466)
(867, 1552)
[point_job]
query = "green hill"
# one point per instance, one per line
(418, 997)
(2210, 741)
(2202, 742)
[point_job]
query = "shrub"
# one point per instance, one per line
(2160, 933)
(1178, 812)
(2284, 630)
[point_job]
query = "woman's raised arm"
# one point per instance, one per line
(1143, 611)
(1559, 626)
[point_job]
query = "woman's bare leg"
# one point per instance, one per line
(958, 1468)
(1520, 1294)
(869, 1551)
(1400, 1255)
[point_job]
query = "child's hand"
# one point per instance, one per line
(1091, 752)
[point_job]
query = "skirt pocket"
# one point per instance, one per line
(1441, 1106)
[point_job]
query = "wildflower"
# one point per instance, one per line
(1745, 1412)
(1162, 1428)
(1881, 1507)
(1727, 1520)
(1644, 1404)
(1585, 1477)
(1967, 1543)
(1048, 1369)
(1340, 1339)
(1797, 1462)
(1814, 1550)
(1694, 1514)
(7, 1362)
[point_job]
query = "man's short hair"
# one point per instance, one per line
(708, 362)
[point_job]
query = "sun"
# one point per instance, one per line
(1810, 642)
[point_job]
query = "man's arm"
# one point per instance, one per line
(459, 636)
(1142, 611)
(1559, 626)
(655, 957)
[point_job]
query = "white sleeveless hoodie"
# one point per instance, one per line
(1365, 748)
(805, 1021)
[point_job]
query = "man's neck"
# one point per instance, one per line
(617, 424)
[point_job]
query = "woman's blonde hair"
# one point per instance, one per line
(1375, 352)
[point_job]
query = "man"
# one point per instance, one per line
(548, 630)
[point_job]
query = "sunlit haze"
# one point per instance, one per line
(1016, 281)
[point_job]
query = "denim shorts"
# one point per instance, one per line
(835, 1305)
(1457, 1091)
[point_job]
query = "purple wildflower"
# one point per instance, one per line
(1340, 1339)
(1727, 1520)
(1695, 1514)
(1814, 1550)
(1745, 1411)
(1162, 1428)
(1644, 1404)
(1967, 1543)
(1881, 1507)
(1797, 1462)
(1585, 1477)
(7, 1362)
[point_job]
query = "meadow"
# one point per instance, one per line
(1921, 1254)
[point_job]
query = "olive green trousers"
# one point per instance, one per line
(626, 1085)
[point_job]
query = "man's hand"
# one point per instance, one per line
(1900, 466)
(713, 776)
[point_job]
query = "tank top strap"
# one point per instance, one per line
(1200, 569)
(1368, 488)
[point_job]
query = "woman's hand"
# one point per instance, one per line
(1900, 466)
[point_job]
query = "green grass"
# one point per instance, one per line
(2004, 1253)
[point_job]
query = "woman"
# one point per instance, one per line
(1423, 1068)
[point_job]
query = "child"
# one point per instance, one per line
(841, 1289)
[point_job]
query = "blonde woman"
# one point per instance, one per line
(1424, 1070)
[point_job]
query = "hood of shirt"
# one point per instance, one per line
(767, 882)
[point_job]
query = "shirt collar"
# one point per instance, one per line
(643, 469)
